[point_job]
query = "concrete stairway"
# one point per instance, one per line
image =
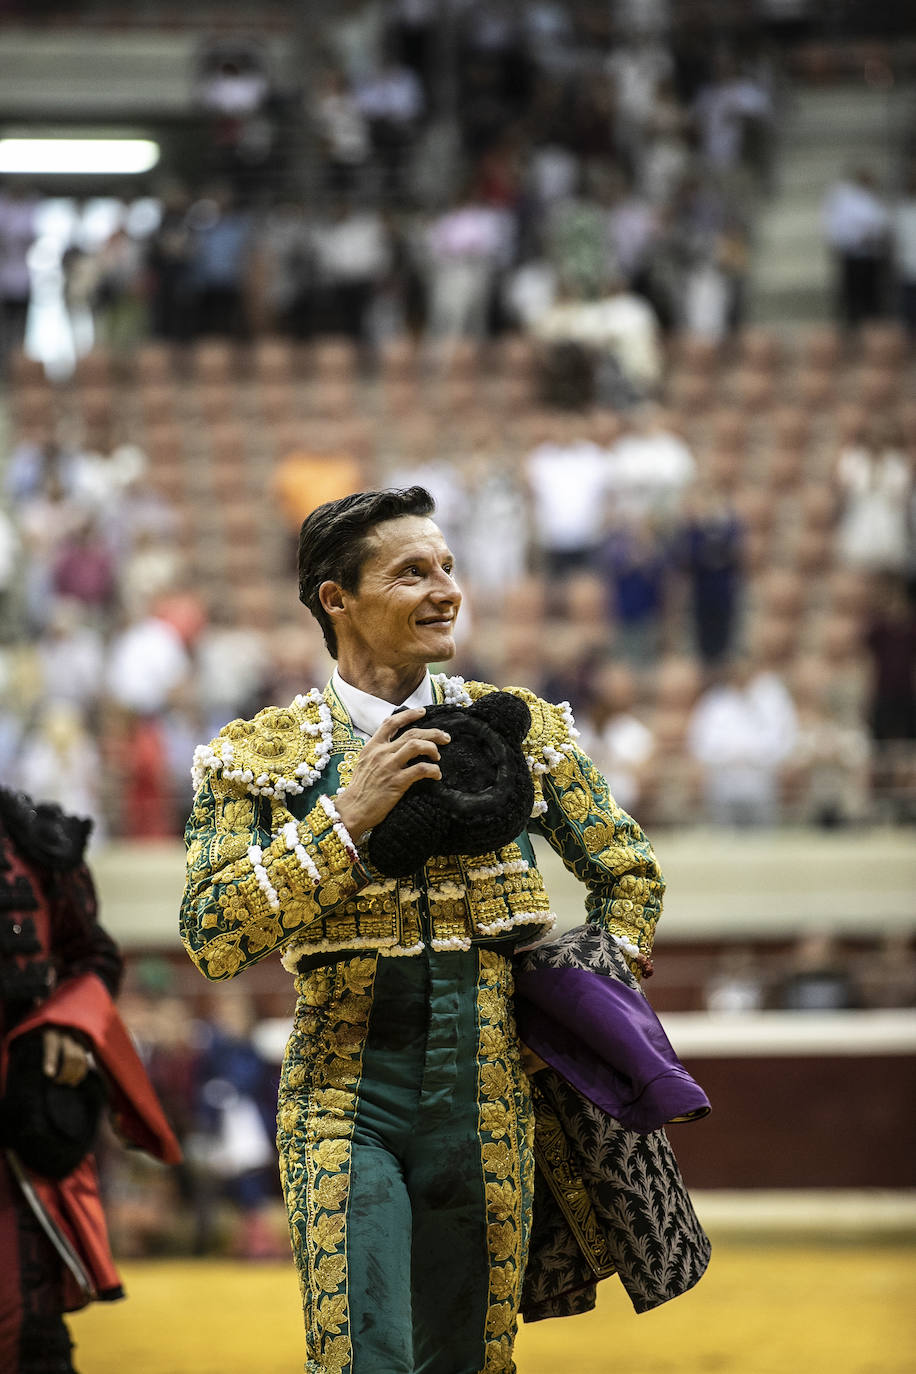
(825, 133)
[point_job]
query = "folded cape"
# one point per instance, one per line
(594, 1026)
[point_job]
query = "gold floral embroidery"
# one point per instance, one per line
(576, 804)
(237, 814)
(315, 1123)
(599, 837)
(506, 1130)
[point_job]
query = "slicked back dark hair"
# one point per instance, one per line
(334, 542)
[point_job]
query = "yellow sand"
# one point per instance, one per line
(767, 1309)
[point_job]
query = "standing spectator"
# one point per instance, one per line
(71, 657)
(857, 226)
(875, 483)
(352, 255)
(84, 569)
(218, 262)
(465, 247)
(497, 526)
(651, 467)
(741, 732)
(168, 264)
(282, 277)
(119, 298)
(60, 761)
(891, 642)
(713, 286)
(733, 114)
(903, 242)
(47, 519)
(631, 226)
(105, 471)
(237, 1093)
(711, 549)
(636, 567)
(391, 100)
(231, 667)
(636, 69)
(17, 234)
(146, 661)
(343, 130)
(667, 155)
(568, 483)
(233, 86)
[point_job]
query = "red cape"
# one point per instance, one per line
(72, 1204)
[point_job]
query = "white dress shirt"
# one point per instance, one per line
(367, 712)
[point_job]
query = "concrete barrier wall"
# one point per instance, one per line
(721, 885)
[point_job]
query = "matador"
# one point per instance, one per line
(406, 1118)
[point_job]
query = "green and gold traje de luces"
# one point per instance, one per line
(269, 866)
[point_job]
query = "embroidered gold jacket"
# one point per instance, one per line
(268, 869)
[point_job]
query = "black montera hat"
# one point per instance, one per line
(483, 799)
(50, 1126)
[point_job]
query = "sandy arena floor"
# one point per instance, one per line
(761, 1309)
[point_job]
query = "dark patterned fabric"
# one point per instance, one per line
(607, 1200)
(586, 946)
(639, 1222)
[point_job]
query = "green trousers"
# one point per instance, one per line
(405, 1132)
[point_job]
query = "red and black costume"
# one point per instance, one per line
(58, 967)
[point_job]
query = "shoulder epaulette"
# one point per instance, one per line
(278, 753)
(551, 737)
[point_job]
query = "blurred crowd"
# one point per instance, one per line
(532, 166)
(515, 275)
(594, 180)
(738, 648)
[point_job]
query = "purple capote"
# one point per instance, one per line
(603, 1037)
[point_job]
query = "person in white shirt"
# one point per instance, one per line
(568, 480)
(857, 225)
(742, 731)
